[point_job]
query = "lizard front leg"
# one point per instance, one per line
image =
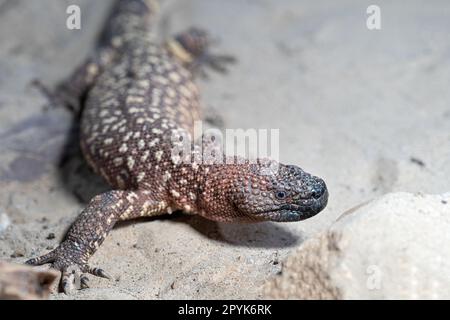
(90, 230)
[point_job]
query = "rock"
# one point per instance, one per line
(25, 282)
(391, 248)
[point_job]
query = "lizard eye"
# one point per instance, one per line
(281, 195)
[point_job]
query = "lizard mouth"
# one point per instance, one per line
(295, 211)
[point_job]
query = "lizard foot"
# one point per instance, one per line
(193, 48)
(57, 98)
(70, 261)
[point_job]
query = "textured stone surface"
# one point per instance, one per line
(25, 282)
(390, 248)
(353, 106)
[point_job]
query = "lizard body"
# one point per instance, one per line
(135, 95)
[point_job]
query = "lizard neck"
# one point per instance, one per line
(217, 187)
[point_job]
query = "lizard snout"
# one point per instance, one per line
(319, 195)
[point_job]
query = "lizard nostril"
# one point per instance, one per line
(316, 194)
(318, 190)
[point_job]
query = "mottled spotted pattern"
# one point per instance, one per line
(136, 95)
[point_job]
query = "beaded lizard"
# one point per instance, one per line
(135, 94)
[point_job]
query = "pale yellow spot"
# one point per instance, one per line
(134, 110)
(140, 176)
(145, 155)
(158, 155)
(92, 69)
(184, 91)
(109, 120)
(145, 84)
(127, 136)
(117, 41)
(130, 162)
(161, 80)
(117, 161)
(171, 92)
(154, 142)
(134, 99)
(175, 77)
(166, 176)
(127, 212)
(123, 148)
(132, 196)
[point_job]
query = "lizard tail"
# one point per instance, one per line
(137, 6)
(127, 17)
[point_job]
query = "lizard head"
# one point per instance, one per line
(285, 194)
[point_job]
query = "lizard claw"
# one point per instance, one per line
(67, 282)
(217, 63)
(84, 281)
(100, 273)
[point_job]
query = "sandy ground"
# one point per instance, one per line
(366, 110)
